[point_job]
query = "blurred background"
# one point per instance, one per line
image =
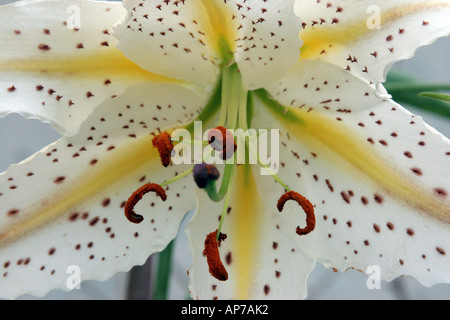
(20, 138)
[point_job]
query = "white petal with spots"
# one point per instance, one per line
(172, 38)
(268, 42)
(261, 261)
(190, 39)
(377, 175)
(367, 38)
(64, 205)
(58, 60)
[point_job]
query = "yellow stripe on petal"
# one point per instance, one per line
(245, 225)
(96, 64)
(329, 37)
(220, 32)
(118, 164)
(343, 147)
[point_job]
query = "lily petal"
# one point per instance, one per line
(173, 38)
(58, 60)
(261, 261)
(376, 173)
(193, 38)
(64, 205)
(382, 33)
(266, 45)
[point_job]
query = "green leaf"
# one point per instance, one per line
(163, 273)
(406, 89)
(434, 95)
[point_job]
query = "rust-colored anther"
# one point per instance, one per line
(306, 206)
(221, 139)
(137, 196)
(165, 146)
(211, 251)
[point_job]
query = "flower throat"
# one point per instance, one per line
(236, 106)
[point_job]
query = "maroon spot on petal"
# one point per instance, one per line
(364, 201)
(408, 154)
(378, 199)
(228, 258)
(94, 221)
(440, 250)
(330, 186)
(73, 216)
(59, 179)
(345, 197)
(440, 192)
(13, 212)
(44, 47)
(266, 289)
(376, 228)
(106, 202)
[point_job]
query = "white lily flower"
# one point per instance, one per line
(373, 177)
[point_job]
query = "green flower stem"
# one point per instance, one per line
(161, 289)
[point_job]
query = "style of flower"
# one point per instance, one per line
(371, 178)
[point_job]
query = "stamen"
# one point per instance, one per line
(211, 251)
(221, 139)
(306, 206)
(137, 196)
(163, 143)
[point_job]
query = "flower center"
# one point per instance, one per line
(235, 104)
(233, 111)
